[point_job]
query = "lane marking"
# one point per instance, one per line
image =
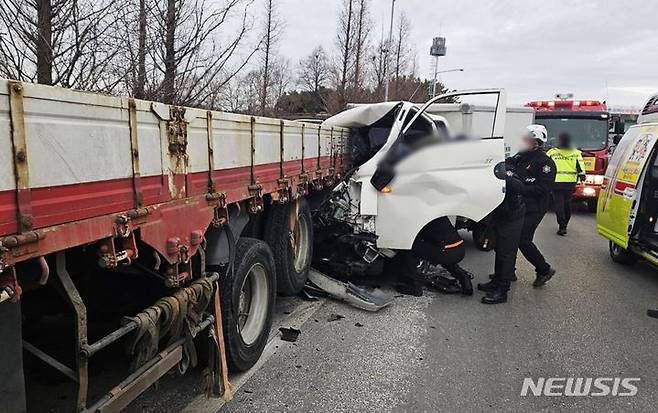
(299, 316)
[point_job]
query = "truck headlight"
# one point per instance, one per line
(589, 191)
(594, 179)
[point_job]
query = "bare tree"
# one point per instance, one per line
(271, 34)
(345, 43)
(43, 43)
(140, 82)
(280, 79)
(252, 83)
(379, 61)
(57, 41)
(403, 55)
(234, 96)
(314, 70)
(169, 44)
(132, 35)
(363, 28)
(186, 52)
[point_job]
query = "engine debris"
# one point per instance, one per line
(289, 334)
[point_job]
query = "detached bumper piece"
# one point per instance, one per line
(349, 293)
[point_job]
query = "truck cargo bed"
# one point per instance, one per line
(71, 157)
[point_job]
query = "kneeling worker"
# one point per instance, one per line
(438, 243)
(570, 169)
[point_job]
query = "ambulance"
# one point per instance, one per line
(627, 210)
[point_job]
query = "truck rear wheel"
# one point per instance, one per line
(592, 205)
(289, 232)
(248, 303)
(621, 255)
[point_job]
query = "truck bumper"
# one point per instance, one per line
(587, 192)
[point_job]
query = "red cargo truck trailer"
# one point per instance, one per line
(122, 207)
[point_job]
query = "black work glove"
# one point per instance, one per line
(513, 184)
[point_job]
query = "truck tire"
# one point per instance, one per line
(621, 255)
(289, 232)
(592, 205)
(483, 238)
(248, 303)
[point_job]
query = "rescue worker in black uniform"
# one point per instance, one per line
(530, 177)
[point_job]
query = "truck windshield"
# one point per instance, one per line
(586, 133)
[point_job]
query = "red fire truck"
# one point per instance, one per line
(587, 121)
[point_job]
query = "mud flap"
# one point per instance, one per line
(12, 389)
(350, 293)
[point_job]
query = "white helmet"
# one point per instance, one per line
(538, 132)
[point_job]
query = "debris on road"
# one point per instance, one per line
(351, 294)
(358, 325)
(312, 293)
(335, 317)
(289, 334)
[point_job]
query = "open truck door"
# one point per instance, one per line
(422, 174)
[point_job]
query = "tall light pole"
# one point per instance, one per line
(388, 50)
(438, 49)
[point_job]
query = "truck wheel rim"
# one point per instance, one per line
(300, 244)
(616, 249)
(252, 308)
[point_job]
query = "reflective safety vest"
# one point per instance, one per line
(568, 162)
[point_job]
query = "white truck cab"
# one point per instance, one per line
(412, 168)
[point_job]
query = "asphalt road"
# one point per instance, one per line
(451, 353)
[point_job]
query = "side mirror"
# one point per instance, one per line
(619, 127)
(616, 139)
(500, 170)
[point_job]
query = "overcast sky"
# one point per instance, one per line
(596, 49)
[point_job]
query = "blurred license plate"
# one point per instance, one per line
(590, 163)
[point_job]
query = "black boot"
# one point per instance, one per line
(467, 284)
(444, 284)
(464, 278)
(514, 279)
(543, 278)
(562, 231)
(497, 296)
(490, 286)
